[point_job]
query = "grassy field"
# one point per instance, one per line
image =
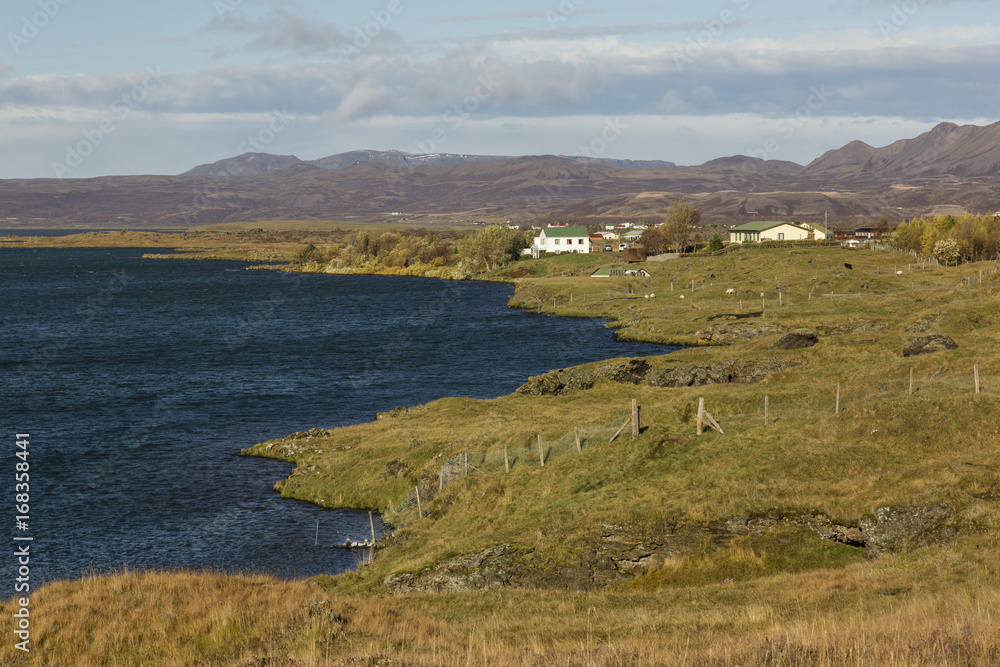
(668, 548)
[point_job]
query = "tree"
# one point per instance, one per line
(882, 227)
(654, 240)
(491, 247)
(680, 220)
(715, 244)
(946, 250)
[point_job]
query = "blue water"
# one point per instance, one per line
(140, 380)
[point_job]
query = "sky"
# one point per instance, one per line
(106, 87)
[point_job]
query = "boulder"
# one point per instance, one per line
(489, 569)
(927, 344)
(726, 334)
(893, 528)
(796, 339)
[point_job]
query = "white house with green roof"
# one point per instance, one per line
(755, 232)
(820, 233)
(561, 239)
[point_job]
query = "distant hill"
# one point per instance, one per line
(248, 164)
(855, 184)
(256, 164)
(966, 151)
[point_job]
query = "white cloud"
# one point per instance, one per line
(591, 76)
(366, 99)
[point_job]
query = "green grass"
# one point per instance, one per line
(775, 593)
(885, 447)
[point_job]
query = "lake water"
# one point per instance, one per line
(140, 380)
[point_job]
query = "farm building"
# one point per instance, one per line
(620, 272)
(755, 232)
(820, 233)
(561, 239)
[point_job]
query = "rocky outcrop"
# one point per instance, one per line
(639, 371)
(727, 334)
(493, 568)
(796, 339)
(617, 553)
(852, 327)
(929, 343)
(894, 528)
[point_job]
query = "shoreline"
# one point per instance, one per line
(869, 520)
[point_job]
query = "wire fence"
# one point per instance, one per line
(420, 501)
(734, 415)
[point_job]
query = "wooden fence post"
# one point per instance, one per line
(837, 408)
(420, 512)
(701, 414)
(576, 434)
(506, 461)
(635, 418)
(371, 522)
(975, 371)
(911, 381)
(765, 411)
(541, 453)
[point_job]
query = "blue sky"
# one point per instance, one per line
(99, 87)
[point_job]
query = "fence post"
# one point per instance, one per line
(975, 370)
(506, 461)
(765, 411)
(420, 512)
(837, 408)
(371, 522)
(911, 380)
(635, 418)
(576, 434)
(466, 462)
(701, 414)
(541, 453)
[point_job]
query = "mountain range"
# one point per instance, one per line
(948, 168)
(257, 164)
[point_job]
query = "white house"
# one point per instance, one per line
(820, 233)
(561, 239)
(755, 232)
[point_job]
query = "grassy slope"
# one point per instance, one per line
(800, 600)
